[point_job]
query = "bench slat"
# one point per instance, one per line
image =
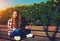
(37, 28)
(40, 33)
(3, 26)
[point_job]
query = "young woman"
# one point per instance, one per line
(14, 22)
(16, 27)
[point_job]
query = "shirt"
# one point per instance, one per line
(10, 26)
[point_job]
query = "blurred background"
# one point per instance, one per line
(36, 12)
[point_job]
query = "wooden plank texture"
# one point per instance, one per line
(35, 30)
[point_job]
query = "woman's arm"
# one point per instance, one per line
(9, 24)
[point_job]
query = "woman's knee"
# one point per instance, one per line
(16, 32)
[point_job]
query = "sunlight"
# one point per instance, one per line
(2, 8)
(3, 5)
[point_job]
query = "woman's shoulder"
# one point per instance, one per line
(10, 19)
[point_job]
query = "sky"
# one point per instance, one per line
(7, 3)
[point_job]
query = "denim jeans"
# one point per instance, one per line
(20, 33)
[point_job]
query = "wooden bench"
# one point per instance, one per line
(42, 31)
(37, 31)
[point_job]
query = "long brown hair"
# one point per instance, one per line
(17, 21)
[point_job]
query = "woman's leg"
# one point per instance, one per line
(25, 32)
(16, 32)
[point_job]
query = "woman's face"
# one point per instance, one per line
(15, 14)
